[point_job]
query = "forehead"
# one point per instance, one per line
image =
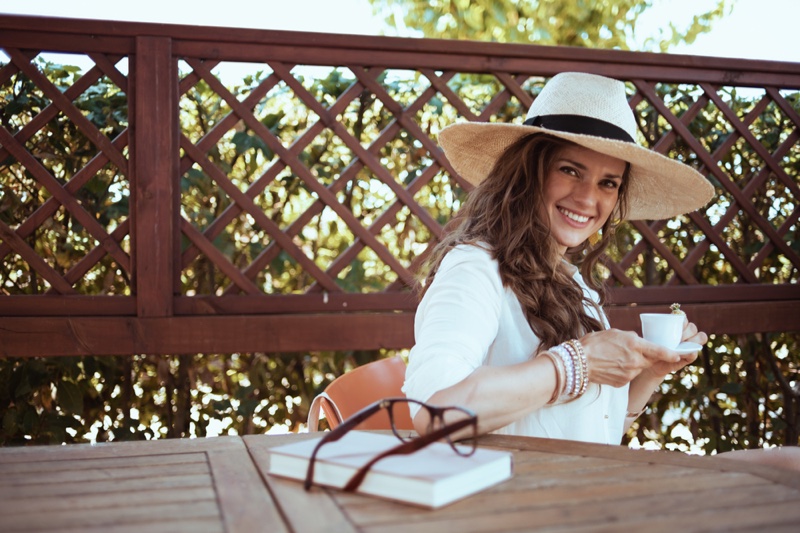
(590, 159)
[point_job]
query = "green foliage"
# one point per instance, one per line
(737, 395)
(585, 23)
(97, 399)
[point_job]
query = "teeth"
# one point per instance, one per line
(574, 216)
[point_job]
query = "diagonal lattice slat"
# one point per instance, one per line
(744, 131)
(40, 265)
(650, 231)
(209, 140)
(749, 190)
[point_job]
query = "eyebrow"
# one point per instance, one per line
(581, 166)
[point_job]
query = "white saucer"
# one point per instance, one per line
(686, 348)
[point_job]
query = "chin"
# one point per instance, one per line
(571, 243)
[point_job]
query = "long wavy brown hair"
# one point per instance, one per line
(507, 213)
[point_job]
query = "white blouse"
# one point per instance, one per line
(467, 319)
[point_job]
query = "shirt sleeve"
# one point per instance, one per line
(456, 323)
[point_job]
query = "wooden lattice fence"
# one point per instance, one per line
(290, 209)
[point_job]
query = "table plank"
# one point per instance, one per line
(111, 516)
(665, 457)
(80, 464)
(748, 518)
(98, 471)
(182, 525)
(309, 512)
(166, 485)
(141, 498)
(172, 484)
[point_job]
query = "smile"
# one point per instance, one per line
(574, 216)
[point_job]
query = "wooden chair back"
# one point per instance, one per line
(356, 389)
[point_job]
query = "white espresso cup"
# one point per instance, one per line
(664, 329)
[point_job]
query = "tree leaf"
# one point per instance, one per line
(69, 397)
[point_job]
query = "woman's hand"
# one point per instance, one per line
(659, 369)
(616, 357)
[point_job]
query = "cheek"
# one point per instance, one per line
(608, 205)
(554, 189)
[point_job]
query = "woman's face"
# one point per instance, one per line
(580, 192)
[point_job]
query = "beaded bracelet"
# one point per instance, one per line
(570, 370)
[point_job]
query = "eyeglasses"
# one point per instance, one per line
(439, 428)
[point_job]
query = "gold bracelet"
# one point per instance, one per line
(578, 347)
(636, 414)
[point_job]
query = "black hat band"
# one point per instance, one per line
(581, 125)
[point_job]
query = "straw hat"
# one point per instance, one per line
(591, 111)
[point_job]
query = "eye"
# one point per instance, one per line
(610, 184)
(567, 169)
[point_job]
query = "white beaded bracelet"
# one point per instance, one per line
(572, 373)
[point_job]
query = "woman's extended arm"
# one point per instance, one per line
(498, 395)
(501, 395)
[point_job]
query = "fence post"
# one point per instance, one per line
(155, 159)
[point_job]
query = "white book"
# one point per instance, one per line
(431, 477)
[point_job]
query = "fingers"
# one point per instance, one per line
(700, 338)
(689, 358)
(616, 357)
(689, 330)
(656, 352)
(692, 334)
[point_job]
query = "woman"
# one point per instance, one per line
(507, 326)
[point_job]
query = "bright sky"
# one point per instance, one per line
(757, 29)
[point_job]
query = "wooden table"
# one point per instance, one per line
(219, 484)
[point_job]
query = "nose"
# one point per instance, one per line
(584, 193)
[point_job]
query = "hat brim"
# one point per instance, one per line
(659, 187)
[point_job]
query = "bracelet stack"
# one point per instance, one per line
(572, 370)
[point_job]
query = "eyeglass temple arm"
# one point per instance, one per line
(405, 449)
(340, 431)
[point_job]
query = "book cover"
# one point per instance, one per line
(431, 477)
